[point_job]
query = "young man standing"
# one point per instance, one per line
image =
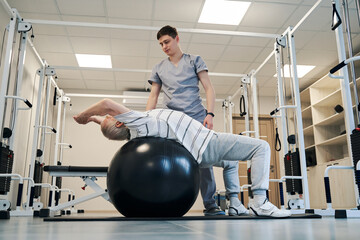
(178, 76)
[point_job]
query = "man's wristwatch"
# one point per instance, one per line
(210, 113)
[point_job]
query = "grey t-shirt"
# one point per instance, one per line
(181, 85)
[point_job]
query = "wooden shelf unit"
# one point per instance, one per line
(325, 136)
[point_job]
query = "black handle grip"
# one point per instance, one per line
(54, 130)
(336, 25)
(337, 67)
(274, 111)
(28, 103)
(70, 146)
(327, 189)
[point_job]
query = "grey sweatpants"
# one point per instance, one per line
(207, 179)
(231, 147)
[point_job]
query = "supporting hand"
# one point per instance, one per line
(208, 122)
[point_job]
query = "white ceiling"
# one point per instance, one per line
(139, 49)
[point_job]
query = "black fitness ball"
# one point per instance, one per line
(153, 177)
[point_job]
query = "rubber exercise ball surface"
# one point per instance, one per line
(153, 177)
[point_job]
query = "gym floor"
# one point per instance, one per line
(36, 229)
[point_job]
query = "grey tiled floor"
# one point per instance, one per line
(326, 228)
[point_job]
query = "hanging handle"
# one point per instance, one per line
(335, 13)
(277, 141)
(242, 106)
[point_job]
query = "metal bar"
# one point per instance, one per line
(29, 105)
(6, 72)
(358, 10)
(149, 28)
(45, 118)
(286, 107)
(246, 132)
(20, 71)
(326, 174)
(55, 85)
(230, 117)
(57, 135)
(235, 94)
(117, 96)
(352, 59)
(247, 117)
(299, 123)
(327, 183)
(104, 96)
(291, 177)
(224, 114)
(280, 86)
(263, 64)
(7, 7)
(345, 90)
(13, 176)
(350, 51)
(227, 74)
(305, 16)
(103, 69)
(79, 200)
(255, 105)
(283, 178)
(41, 72)
(139, 70)
(244, 187)
(62, 131)
(41, 61)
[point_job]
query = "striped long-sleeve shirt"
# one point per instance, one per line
(169, 124)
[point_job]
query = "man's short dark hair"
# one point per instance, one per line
(167, 30)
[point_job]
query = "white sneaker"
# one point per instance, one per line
(268, 209)
(238, 211)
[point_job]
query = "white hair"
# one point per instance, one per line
(112, 132)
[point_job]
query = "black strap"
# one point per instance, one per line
(277, 141)
(242, 106)
(55, 95)
(210, 113)
(335, 12)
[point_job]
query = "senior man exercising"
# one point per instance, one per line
(209, 148)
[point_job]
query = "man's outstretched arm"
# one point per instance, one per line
(153, 97)
(210, 97)
(104, 107)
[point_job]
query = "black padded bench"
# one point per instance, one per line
(76, 171)
(87, 174)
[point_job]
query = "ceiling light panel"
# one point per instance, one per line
(223, 12)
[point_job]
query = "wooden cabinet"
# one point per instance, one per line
(325, 138)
